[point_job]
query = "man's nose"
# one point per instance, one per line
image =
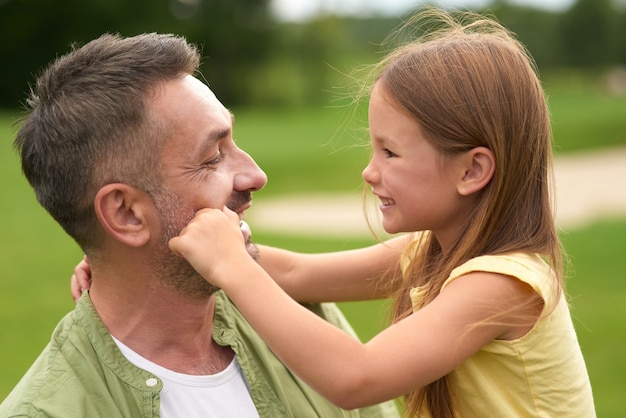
(250, 176)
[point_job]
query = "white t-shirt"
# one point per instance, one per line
(224, 394)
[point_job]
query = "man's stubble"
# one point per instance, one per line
(175, 271)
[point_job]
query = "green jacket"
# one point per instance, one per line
(81, 373)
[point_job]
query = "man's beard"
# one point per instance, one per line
(175, 271)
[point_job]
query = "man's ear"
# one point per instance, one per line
(479, 166)
(122, 211)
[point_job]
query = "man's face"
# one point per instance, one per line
(201, 167)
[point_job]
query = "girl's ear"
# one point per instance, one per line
(122, 211)
(479, 167)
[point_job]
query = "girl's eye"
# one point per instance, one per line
(388, 153)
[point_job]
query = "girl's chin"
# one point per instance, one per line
(395, 227)
(390, 228)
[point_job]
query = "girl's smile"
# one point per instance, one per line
(385, 202)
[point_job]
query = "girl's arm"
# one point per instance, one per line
(338, 276)
(330, 277)
(410, 354)
(81, 279)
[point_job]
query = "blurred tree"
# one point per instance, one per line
(233, 35)
(590, 34)
(314, 57)
(249, 59)
(620, 33)
(536, 29)
(236, 38)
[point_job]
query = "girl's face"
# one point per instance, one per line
(417, 188)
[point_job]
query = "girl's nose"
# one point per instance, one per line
(369, 174)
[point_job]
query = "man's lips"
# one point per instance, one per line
(239, 202)
(242, 209)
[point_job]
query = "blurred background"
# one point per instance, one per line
(286, 53)
(284, 68)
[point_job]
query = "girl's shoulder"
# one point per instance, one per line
(529, 268)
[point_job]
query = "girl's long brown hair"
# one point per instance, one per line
(470, 83)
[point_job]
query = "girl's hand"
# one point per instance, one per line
(81, 279)
(213, 243)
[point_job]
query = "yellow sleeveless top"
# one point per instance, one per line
(541, 374)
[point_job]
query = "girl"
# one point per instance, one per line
(461, 160)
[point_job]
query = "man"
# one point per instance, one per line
(122, 146)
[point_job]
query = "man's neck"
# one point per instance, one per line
(165, 327)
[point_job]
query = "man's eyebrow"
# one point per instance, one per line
(223, 133)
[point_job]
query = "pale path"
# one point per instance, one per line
(589, 186)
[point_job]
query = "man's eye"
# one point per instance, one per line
(215, 160)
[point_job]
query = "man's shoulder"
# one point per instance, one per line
(49, 372)
(79, 373)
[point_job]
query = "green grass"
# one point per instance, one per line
(584, 114)
(303, 150)
(35, 263)
(597, 291)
